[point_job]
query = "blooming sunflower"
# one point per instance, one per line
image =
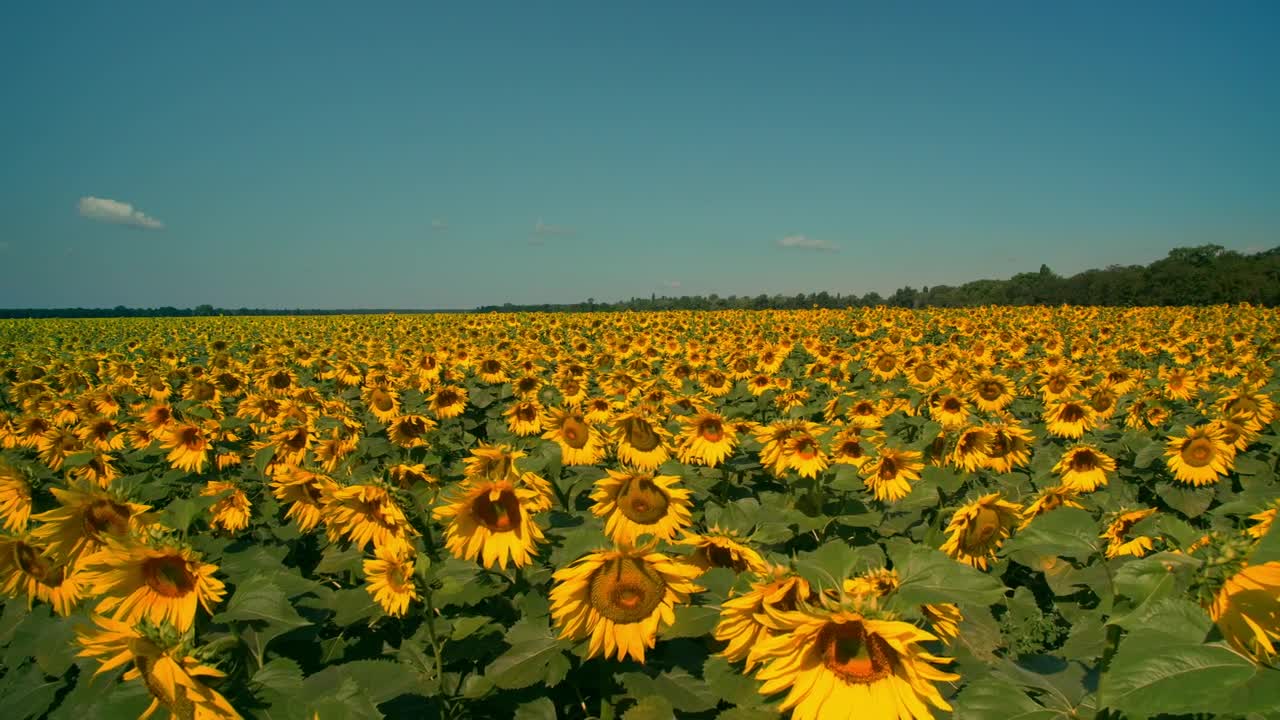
(383, 402)
(188, 446)
(707, 439)
(804, 453)
(407, 476)
(409, 431)
(389, 578)
(85, 519)
(890, 476)
(619, 599)
(1010, 446)
(1084, 468)
(29, 569)
(635, 503)
(848, 447)
(744, 620)
(168, 671)
(641, 439)
(1200, 457)
(15, 498)
(365, 513)
(1247, 610)
(722, 548)
(580, 443)
(1070, 418)
(1050, 498)
(1117, 531)
(231, 513)
(1255, 408)
(305, 492)
(448, 401)
(992, 392)
(970, 453)
(978, 529)
(950, 412)
(840, 664)
(492, 520)
(499, 462)
(524, 417)
(162, 582)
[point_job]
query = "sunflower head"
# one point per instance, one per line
(635, 503)
(978, 529)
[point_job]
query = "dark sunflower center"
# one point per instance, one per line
(1198, 452)
(28, 558)
(501, 515)
(990, 390)
(446, 397)
(382, 401)
(711, 430)
(1071, 413)
(574, 432)
(864, 408)
(984, 528)
(201, 391)
(626, 591)
(1084, 461)
(856, 657)
(1057, 384)
(106, 516)
(1000, 445)
(168, 576)
(888, 468)
(412, 427)
(851, 449)
(886, 363)
(569, 389)
(190, 438)
(806, 448)
(1242, 405)
(641, 435)
(951, 405)
(715, 379)
(924, 373)
(526, 413)
(280, 380)
(720, 556)
(641, 501)
(527, 385)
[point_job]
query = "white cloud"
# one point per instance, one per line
(438, 224)
(542, 229)
(804, 242)
(114, 211)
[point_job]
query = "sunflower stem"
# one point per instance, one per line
(436, 650)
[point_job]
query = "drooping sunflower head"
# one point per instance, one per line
(619, 598)
(891, 475)
(15, 498)
(1084, 468)
(970, 453)
(232, 511)
(86, 519)
(707, 439)
(747, 619)
(389, 579)
(1247, 610)
(1050, 498)
(448, 401)
(28, 568)
(851, 447)
(305, 492)
(636, 503)
(524, 417)
(1118, 536)
(493, 462)
(978, 529)
(1069, 418)
(804, 453)
(410, 431)
(162, 583)
(365, 513)
(722, 548)
(641, 439)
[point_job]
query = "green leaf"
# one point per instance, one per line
(1191, 502)
(263, 603)
(535, 655)
(262, 459)
(692, 621)
(685, 692)
(995, 697)
(749, 713)
(379, 680)
(730, 683)
(1268, 548)
(1150, 674)
(1148, 455)
(1065, 532)
(652, 707)
(540, 709)
(929, 576)
(835, 561)
(468, 625)
(949, 479)
(28, 694)
(1150, 580)
(78, 459)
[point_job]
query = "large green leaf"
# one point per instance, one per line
(536, 655)
(1153, 673)
(929, 576)
(265, 606)
(1065, 532)
(685, 692)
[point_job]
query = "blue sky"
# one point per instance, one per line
(447, 155)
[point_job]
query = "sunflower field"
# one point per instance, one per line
(870, 513)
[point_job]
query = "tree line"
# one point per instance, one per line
(1202, 275)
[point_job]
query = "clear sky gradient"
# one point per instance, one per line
(425, 155)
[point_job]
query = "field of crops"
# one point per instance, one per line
(992, 513)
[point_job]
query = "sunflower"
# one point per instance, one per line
(707, 439)
(383, 402)
(15, 498)
(1247, 610)
(580, 443)
(598, 410)
(56, 445)
(188, 445)
(848, 447)
(495, 463)
(365, 513)
(991, 391)
(408, 476)
(890, 476)
(970, 453)
(162, 582)
(305, 492)
(1255, 408)
(1070, 419)
(1084, 468)
(28, 569)
(722, 548)
(1050, 498)
(978, 529)
(524, 417)
(1262, 521)
(1237, 432)
(168, 671)
(231, 513)
(950, 412)
(840, 664)
(1116, 535)
(409, 431)
(85, 520)
(448, 401)
(744, 620)
(1200, 457)
(804, 454)
(619, 599)
(637, 503)
(1010, 446)
(492, 520)
(389, 578)
(865, 414)
(641, 439)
